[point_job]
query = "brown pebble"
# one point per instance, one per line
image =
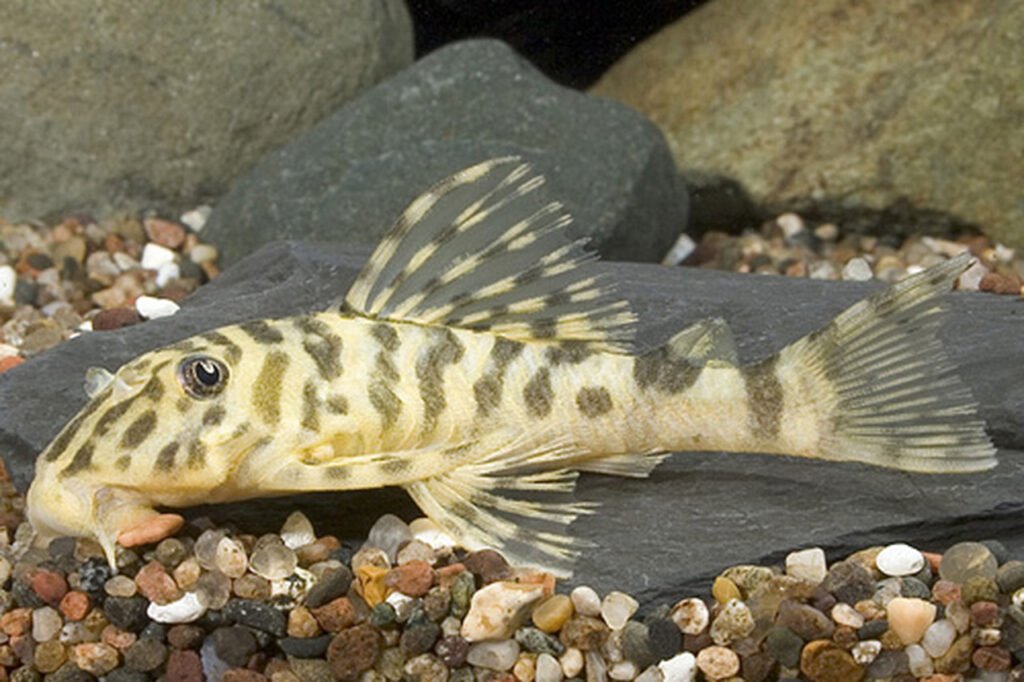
(353, 651)
(184, 666)
(115, 318)
(117, 638)
(317, 551)
(156, 585)
(552, 613)
(336, 615)
(164, 232)
(1000, 284)
(49, 586)
(74, 605)
(958, 658)
(185, 636)
(414, 578)
(151, 530)
(302, 623)
(823, 661)
(991, 658)
(16, 622)
(584, 633)
(242, 675)
(984, 613)
(945, 592)
(845, 637)
(489, 565)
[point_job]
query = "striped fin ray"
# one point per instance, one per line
(897, 400)
(483, 249)
(518, 499)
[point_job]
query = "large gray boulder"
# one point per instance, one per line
(116, 105)
(880, 113)
(659, 538)
(349, 176)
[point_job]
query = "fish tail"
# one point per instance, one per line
(881, 387)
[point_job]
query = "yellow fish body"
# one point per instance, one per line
(478, 363)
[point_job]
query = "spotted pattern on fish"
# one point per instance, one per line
(310, 406)
(487, 390)
(430, 368)
(569, 353)
(80, 461)
(232, 351)
(537, 394)
(381, 388)
(139, 430)
(68, 433)
(196, 455)
(764, 399)
(266, 396)
(657, 369)
(594, 401)
(214, 415)
(262, 332)
(165, 458)
(322, 345)
(337, 404)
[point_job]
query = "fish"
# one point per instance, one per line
(480, 362)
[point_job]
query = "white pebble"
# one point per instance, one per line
(866, 651)
(154, 255)
(197, 217)
(571, 662)
(586, 602)
(7, 351)
(939, 637)
(124, 262)
(497, 655)
(617, 608)
(680, 251)
(167, 273)
(496, 610)
(652, 674)
(857, 269)
(297, 531)
(203, 253)
(425, 530)
(8, 280)
(402, 604)
(791, 224)
(844, 614)
(184, 610)
(623, 671)
(1003, 253)
(597, 668)
(46, 624)
(970, 280)
(548, 669)
(152, 308)
(919, 660)
(1018, 598)
(946, 247)
(691, 616)
(899, 560)
(807, 564)
(680, 668)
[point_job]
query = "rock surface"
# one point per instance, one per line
(699, 513)
(353, 173)
(119, 105)
(907, 110)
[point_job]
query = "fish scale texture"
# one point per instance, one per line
(698, 512)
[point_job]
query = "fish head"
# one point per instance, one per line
(158, 431)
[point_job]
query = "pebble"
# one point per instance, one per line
(918, 661)
(585, 601)
(427, 668)
(899, 559)
(428, 532)
(49, 656)
(94, 657)
(680, 668)
(164, 232)
(186, 609)
(388, 533)
(537, 642)
(273, 561)
(297, 531)
(844, 614)
(733, 622)
(49, 586)
(414, 578)
(823, 661)
(691, 616)
(548, 669)
(806, 621)
(302, 623)
(910, 618)
(623, 671)
(498, 609)
(120, 586)
(617, 608)
(184, 666)
(8, 281)
(353, 651)
(251, 586)
(197, 217)
(167, 273)
(230, 558)
(807, 564)
(784, 645)
(257, 615)
(213, 589)
(857, 269)
(572, 662)
(867, 651)
(145, 655)
(552, 613)
(154, 255)
(966, 560)
(494, 655)
(718, 663)
(333, 583)
(151, 308)
(452, 650)
(46, 623)
(939, 636)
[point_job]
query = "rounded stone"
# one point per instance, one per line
(145, 655)
(234, 644)
(664, 638)
(910, 618)
(1010, 576)
(419, 638)
(490, 565)
(586, 601)
(184, 666)
(46, 623)
(336, 615)
(497, 610)
(552, 613)
(784, 645)
(967, 560)
(49, 656)
(230, 558)
(899, 559)
(548, 669)
(414, 578)
(844, 614)
(849, 582)
(353, 651)
(497, 655)
(273, 561)
(94, 657)
(427, 668)
(979, 588)
(718, 663)
(537, 641)
(939, 636)
(725, 590)
(680, 668)
(388, 533)
(733, 622)
(452, 650)
(807, 564)
(297, 530)
(867, 651)
(806, 621)
(127, 613)
(823, 661)
(691, 616)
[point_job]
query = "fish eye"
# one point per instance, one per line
(202, 376)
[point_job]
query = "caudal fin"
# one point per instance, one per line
(888, 393)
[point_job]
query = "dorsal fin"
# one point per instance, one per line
(707, 340)
(483, 249)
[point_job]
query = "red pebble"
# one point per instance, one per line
(9, 362)
(945, 592)
(156, 585)
(49, 586)
(335, 616)
(414, 578)
(165, 232)
(115, 318)
(74, 605)
(984, 613)
(991, 658)
(183, 665)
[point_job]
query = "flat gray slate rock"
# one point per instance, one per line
(463, 104)
(660, 538)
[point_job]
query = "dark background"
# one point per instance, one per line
(572, 41)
